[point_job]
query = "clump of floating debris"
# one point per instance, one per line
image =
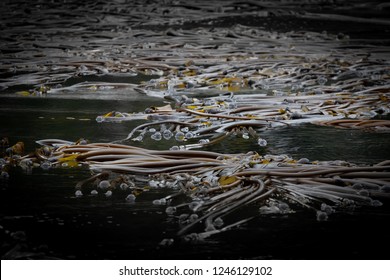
(209, 186)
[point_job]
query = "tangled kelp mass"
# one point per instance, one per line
(156, 39)
(292, 77)
(217, 72)
(217, 184)
(215, 118)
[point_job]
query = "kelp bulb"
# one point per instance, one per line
(170, 210)
(123, 186)
(191, 237)
(174, 148)
(78, 193)
(189, 135)
(161, 201)
(4, 175)
(46, 165)
(105, 184)
(153, 184)
(166, 242)
(156, 136)
(130, 198)
(326, 208)
(321, 216)
(94, 192)
(193, 218)
(262, 142)
(321, 80)
(203, 141)
(183, 218)
(194, 205)
(303, 161)
(218, 222)
(376, 203)
(167, 134)
(179, 136)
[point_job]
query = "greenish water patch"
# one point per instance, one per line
(132, 78)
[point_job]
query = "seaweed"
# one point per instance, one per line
(214, 184)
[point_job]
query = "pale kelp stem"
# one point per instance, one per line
(218, 185)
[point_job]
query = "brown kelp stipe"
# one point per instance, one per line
(208, 187)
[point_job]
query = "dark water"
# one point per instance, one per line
(55, 224)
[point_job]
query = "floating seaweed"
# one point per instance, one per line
(208, 186)
(211, 119)
(378, 125)
(218, 82)
(207, 58)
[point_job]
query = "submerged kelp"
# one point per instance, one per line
(214, 185)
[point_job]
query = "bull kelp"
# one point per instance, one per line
(218, 118)
(216, 184)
